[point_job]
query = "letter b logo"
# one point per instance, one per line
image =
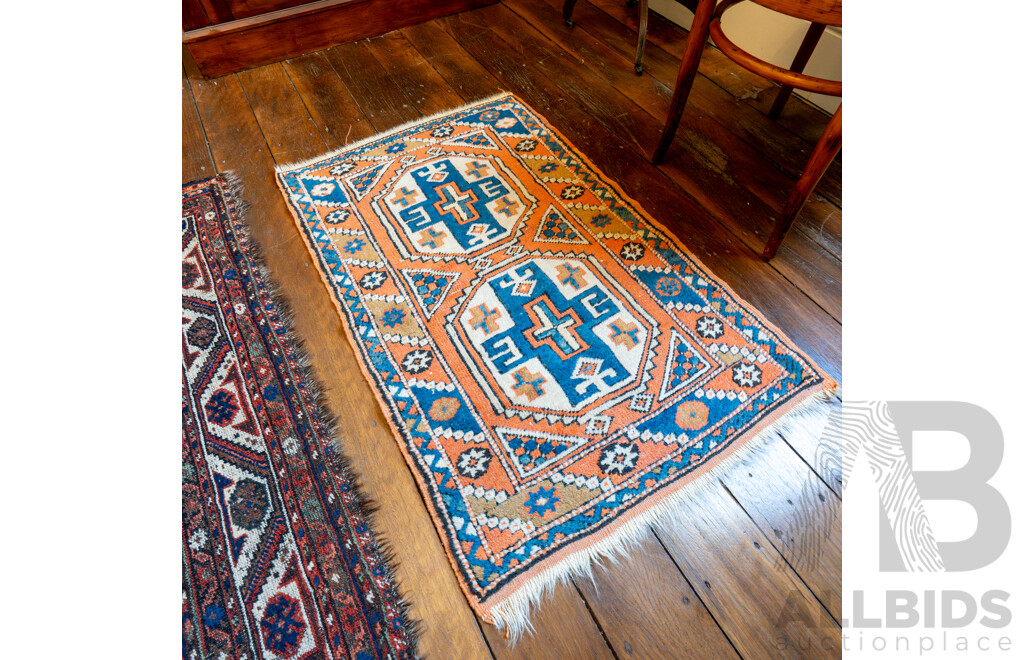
(884, 430)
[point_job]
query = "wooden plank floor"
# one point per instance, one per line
(752, 568)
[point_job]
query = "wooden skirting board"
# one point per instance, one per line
(249, 42)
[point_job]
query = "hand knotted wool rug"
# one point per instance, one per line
(555, 364)
(277, 558)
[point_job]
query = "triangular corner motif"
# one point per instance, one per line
(477, 139)
(362, 182)
(535, 450)
(678, 373)
(429, 287)
(554, 227)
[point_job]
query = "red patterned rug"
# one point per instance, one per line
(277, 557)
(556, 366)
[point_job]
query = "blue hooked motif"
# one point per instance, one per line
(458, 203)
(558, 331)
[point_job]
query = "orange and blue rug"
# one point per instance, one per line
(277, 558)
(554, 363)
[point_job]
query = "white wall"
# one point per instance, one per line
(775, 38)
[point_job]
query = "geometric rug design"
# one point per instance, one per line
(277, 557)
(555, 365)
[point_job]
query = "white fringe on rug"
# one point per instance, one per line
(287, 167)
(512, 615)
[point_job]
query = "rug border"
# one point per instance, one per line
(313, 392)
(656, 503)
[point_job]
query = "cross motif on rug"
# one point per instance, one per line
(457, 203)
(528, 384)
(431, 237)
(480, 319)
(624, 334)
(571, 275)
(403, 197)
(476, 169)
(554, 328)
(506, 207)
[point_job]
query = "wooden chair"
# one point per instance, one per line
(638, 65)
(820, 13)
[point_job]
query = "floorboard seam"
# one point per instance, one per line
(319, 130)
(593, 616)
(202, 128)
(696, 594)
(792, 568)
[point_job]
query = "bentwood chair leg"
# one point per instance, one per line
(638, 65)
(807, 47)
(826, 149)
(567, 12)
(687, 72)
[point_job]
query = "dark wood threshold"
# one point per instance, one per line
(249, 22)
(256, 40)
